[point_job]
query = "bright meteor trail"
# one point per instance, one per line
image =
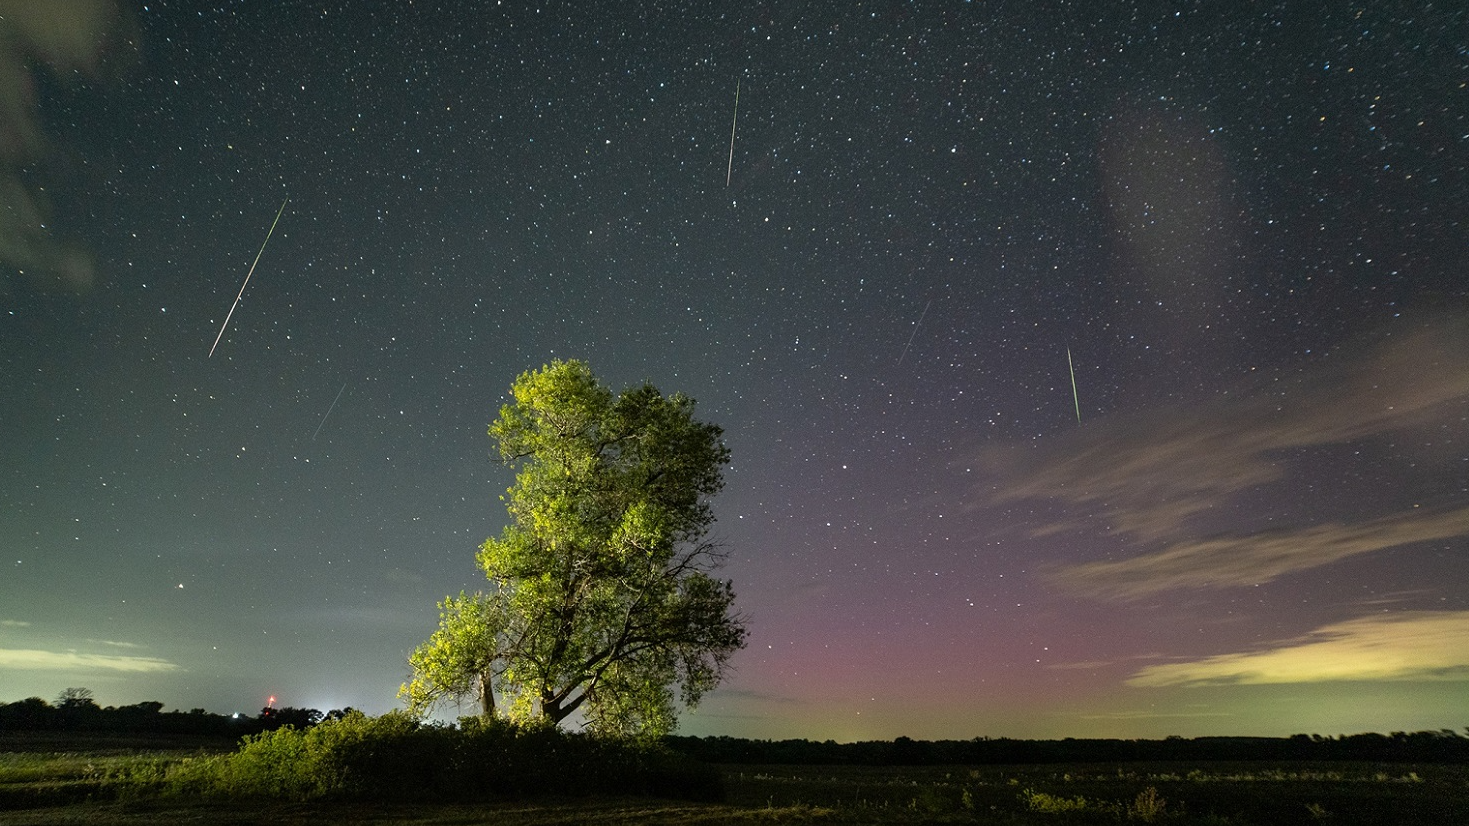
(729, 170)
(247, 277)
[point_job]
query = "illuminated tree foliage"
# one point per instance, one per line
(601, 599)
(463, 655)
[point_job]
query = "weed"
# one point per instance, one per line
(797, 813)
(1148, 806)
(1052, 804)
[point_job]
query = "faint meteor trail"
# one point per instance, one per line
(328, 412)
(729, 171)
(1074, 398)
(916, 324)
(247, 277)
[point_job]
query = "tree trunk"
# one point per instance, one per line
(486, 696)
(556, 710)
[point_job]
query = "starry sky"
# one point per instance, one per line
(1241, 228)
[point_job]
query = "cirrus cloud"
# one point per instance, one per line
(1154, 478)
(1254, 558)
(35, 659)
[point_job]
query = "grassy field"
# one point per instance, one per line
(48, 782)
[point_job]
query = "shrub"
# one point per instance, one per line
(1050, 803)
(1148, 806)
(397, 757)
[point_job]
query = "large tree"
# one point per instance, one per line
(601, 598)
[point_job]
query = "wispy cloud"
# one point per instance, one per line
(1088, 665)
(71, 38)
(116, 644)
(1254, 558)
(751, 695)
(14, 624)
(1412, 645)
(1154, 715)
(1151, 478)
(39, 660)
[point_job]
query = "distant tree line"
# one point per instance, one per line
(76, 711)
(1443, 746)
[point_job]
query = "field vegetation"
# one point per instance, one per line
(394, 769)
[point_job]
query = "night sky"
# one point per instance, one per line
(1242, 225)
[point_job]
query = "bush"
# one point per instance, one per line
(1148, 806)
(396, 757)
(1052, 804)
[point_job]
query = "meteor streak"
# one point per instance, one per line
(328, 412)
(915, 332)
(247, 277)
(1074, 398)
(729, 171)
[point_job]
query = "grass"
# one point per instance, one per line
(34, 773)
(96, 783)
(1223, 793)
(540, 814)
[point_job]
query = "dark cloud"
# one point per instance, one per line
(66, 38)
